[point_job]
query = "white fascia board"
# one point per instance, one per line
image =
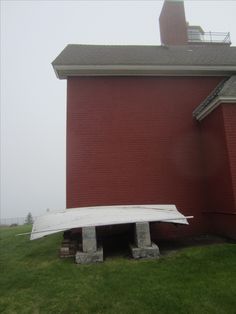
(213, 105)
(56, 72)
(63, 71)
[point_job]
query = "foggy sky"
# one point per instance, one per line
(33, 100)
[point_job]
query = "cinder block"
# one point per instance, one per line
(142, 234)
(67, 249)
(89, 257)
(151, 251)
(89, 241)
(64, 251)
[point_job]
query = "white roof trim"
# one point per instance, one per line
(213, 105)
(104, 215)
(63, 71)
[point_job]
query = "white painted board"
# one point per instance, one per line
(53, 222)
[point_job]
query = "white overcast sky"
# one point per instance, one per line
(33, 100)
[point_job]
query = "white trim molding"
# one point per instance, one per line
(213, 105)
(64, 71)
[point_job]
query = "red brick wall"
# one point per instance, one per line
(133, 141)
(219, 141)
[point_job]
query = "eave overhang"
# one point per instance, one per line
(212, 106)
(65, 71)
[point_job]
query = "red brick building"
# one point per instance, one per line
(155, 125)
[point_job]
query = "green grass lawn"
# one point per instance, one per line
(34, 280)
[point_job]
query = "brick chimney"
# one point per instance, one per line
(173, 27)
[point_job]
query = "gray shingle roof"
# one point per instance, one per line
(147, 55)
(229, 88)
(144, 60)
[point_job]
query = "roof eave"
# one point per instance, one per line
(64, 71)
(212, 106)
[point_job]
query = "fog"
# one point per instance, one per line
(33, 100)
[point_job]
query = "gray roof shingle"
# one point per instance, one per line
(77, 60)
(147, 55)
(229, 88)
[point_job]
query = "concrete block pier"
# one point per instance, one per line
(90, 252)
(143, 247)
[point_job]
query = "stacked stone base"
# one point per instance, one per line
(89, 257)
(67, 249)
(149, 252)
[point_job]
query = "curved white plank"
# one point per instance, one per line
(54, 222)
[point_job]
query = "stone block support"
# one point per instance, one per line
(91, 253)
(68, 248)
(143, 247)
(89, 258)
(142, 234)
(89, 240)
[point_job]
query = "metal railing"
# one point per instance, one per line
(209, 37)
